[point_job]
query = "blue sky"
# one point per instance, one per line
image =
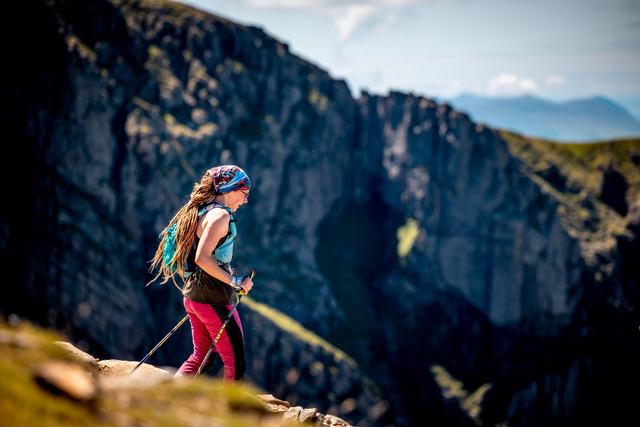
(554, 49)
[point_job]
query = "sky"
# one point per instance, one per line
(555, 49)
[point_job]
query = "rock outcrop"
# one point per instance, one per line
(413, 240)
(45, 381)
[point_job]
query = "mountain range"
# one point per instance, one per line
(581, 120)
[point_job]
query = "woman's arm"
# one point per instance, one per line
(213, 227)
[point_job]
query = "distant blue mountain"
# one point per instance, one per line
(591, 119)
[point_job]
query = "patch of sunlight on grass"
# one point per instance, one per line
(319, 101)
(454, 389)
(295, 328)
(407, 235)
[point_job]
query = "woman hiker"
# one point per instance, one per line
(205, 231)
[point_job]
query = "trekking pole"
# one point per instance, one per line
(184, 319)
(215, 341)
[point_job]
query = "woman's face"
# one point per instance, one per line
(238, 198)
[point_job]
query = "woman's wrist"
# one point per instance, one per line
(235, 282)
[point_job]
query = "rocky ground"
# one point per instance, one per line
(44, 377)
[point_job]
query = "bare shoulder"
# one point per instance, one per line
(214, 223)
(216, 216)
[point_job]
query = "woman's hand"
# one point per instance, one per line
(246, 285)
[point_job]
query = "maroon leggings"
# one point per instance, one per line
(206, 322)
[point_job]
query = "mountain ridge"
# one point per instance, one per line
(579, 120)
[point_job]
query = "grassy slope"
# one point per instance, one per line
(23, 402)
(574, 175)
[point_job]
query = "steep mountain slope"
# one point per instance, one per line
(472, 276)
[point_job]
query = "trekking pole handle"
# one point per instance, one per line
(241, 279)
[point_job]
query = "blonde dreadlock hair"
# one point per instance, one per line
(187, 219)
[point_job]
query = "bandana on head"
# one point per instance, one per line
(229, 178)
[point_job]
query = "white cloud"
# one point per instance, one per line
(347, 15)
(324, 4)
(554, 80)
(511, 85)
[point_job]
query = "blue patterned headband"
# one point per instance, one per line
(229, 178)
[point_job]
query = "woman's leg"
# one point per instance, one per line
(206, 322)
(201, 342)
(230, 345)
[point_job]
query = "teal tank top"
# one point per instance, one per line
(224, 251)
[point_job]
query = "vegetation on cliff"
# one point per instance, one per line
(596, 184)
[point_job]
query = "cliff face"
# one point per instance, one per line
(482, 227)
(421, 244)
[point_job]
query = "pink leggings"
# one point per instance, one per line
(206, 322)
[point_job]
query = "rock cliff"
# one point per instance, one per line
(459, 273)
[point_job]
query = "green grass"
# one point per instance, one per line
(573, 174)
(293, 327)
(407, 235)
(451, 388)
(581, 164)
(23, 402)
